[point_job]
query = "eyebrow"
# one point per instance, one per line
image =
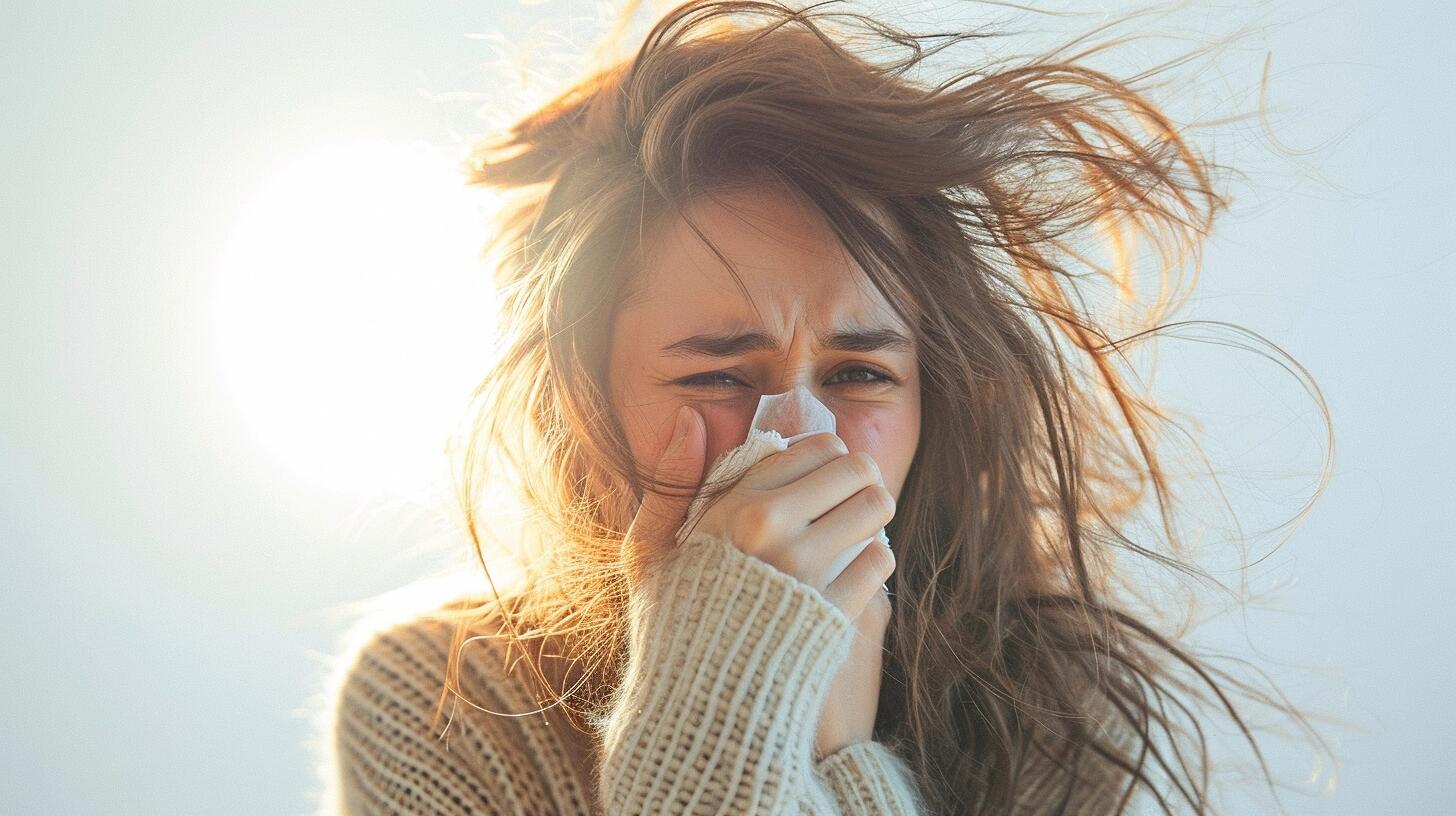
(731, 344)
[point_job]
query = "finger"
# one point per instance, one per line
(832, 484)
(799, 459)
(678, 473)
(870, 628)
(866, 574)
(855, 519)
(875, 617)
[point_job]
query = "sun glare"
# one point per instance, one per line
(352, 315)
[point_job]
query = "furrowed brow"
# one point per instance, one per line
(734, 344)
(875, 339)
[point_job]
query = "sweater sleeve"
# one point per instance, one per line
(868, 778)
(731, 660)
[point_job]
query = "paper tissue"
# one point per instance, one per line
(780, 421)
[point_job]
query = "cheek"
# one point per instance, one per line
(888, 436)
(726, 422)
(868, 434)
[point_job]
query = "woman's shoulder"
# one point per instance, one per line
(408, 663)
(406, 658)
(405, 722)
(489, 651)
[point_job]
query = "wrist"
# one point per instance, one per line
(832, 738)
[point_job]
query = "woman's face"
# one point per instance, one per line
(690, 337)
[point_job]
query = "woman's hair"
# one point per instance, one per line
(974, 203)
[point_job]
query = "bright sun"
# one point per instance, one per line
(352, 315)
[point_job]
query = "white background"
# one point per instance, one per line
(213, 443)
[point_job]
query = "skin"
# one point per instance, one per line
(805, 287)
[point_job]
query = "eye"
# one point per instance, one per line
(864, 375)
(875, 375)
(710, 380)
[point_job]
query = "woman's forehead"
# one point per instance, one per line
(777, 300)
(675, 324)
(789, 265)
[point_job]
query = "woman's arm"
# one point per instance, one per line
(730, 662)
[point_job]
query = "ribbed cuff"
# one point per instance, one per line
(868, 779)
(731, 660)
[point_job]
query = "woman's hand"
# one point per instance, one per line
(798, 510)
(801, 508)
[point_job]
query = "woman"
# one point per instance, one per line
(745, 207)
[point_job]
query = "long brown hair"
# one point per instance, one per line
(971, 203)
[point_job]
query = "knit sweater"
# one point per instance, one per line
(730, 663)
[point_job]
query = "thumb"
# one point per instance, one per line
(676, 477)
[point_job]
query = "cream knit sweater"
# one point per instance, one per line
(716, 713)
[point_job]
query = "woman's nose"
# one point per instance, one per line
(790, 377)
(794, 411)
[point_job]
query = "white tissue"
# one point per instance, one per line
(780, 421)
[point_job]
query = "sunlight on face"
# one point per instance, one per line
(807, 289)
(351, 315)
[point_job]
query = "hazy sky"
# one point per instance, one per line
(239, 314)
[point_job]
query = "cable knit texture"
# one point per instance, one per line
(731, 660)
(718, 709)
(716, 713)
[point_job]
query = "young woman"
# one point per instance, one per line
(750, 204)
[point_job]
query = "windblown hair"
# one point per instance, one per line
(971, 203)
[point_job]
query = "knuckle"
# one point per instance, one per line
(832, 442)
(759, 517)
(881, 501)
(883, 561)
(865, 466)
